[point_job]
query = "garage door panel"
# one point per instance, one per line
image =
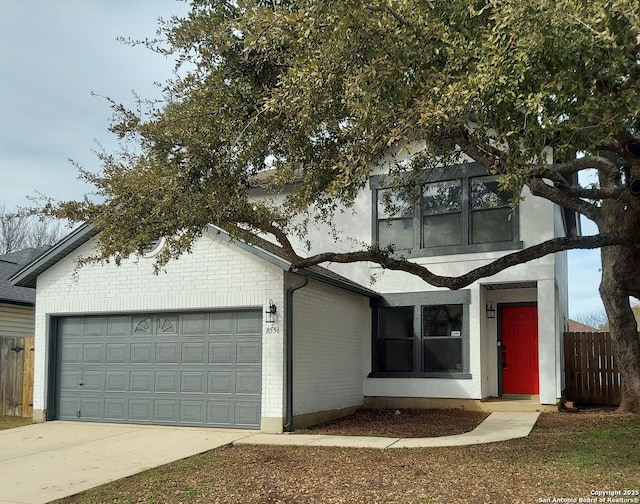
(117, 353)
(71, 353)
(221, 382)
(222, 323)
(166, 381)
(92, 353)
(249, 322)
(69, 407)
(94, 326)
(116, 381)
(167, 353)
(119, 326)
(192, 412)
(115, 409)
(248, 352)
(70, 380)
(193, 382)
(222, 353)
(248, 383)
(91, 408)
(142, 353)
(168, 324)
(141, 326)
(194, 324)
(220, 413)
(72, 327)
(194, 353)
(141, 381)
(165, 410)
(140, 410)
(247, 414)
(92, 381)
(190, 368)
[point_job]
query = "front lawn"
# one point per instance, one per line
(567, 456)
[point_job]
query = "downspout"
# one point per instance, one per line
(288, 426)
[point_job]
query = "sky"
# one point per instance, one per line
(56, 55)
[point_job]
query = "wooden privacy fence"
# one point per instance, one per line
(16, 376)
(591, 374)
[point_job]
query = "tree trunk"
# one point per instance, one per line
(620, 274)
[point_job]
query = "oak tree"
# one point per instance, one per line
(308, 95)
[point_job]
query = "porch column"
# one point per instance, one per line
(547, 336)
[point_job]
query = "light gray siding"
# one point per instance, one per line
(17, 321)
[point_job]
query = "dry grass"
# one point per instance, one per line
(9, 422)
(567, 456)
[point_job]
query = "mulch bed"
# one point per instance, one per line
(406, 423)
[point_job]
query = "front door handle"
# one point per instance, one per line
(504, 357)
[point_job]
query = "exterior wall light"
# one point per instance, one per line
(491, 311)
(271, 312)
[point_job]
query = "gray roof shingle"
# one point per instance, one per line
(10, 264)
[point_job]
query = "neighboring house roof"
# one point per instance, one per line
(27, 276)
(9, 265)
(575, 326)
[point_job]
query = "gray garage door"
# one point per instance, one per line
(186, 369)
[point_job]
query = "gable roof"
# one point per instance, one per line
(9, 265)
(275, 255)
(27, 276)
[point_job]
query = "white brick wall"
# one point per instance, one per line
(330, 328)
(216, 275)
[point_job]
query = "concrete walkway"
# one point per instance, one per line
(43, 462)
(499, 426)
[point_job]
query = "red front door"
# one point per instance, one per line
(519, 330)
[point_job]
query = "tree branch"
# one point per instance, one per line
(384, 259)
(487, 156)
(619, 193)
(389, 10)
(539, 188)
(599, 163)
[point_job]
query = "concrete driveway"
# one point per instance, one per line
(43, 462)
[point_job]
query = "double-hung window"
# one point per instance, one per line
(464, 210)
(442, 338)
(397, 215)
(442, 216)
(490, 212)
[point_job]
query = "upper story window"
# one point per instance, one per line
(464, 211)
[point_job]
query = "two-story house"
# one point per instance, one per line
(232, 335)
